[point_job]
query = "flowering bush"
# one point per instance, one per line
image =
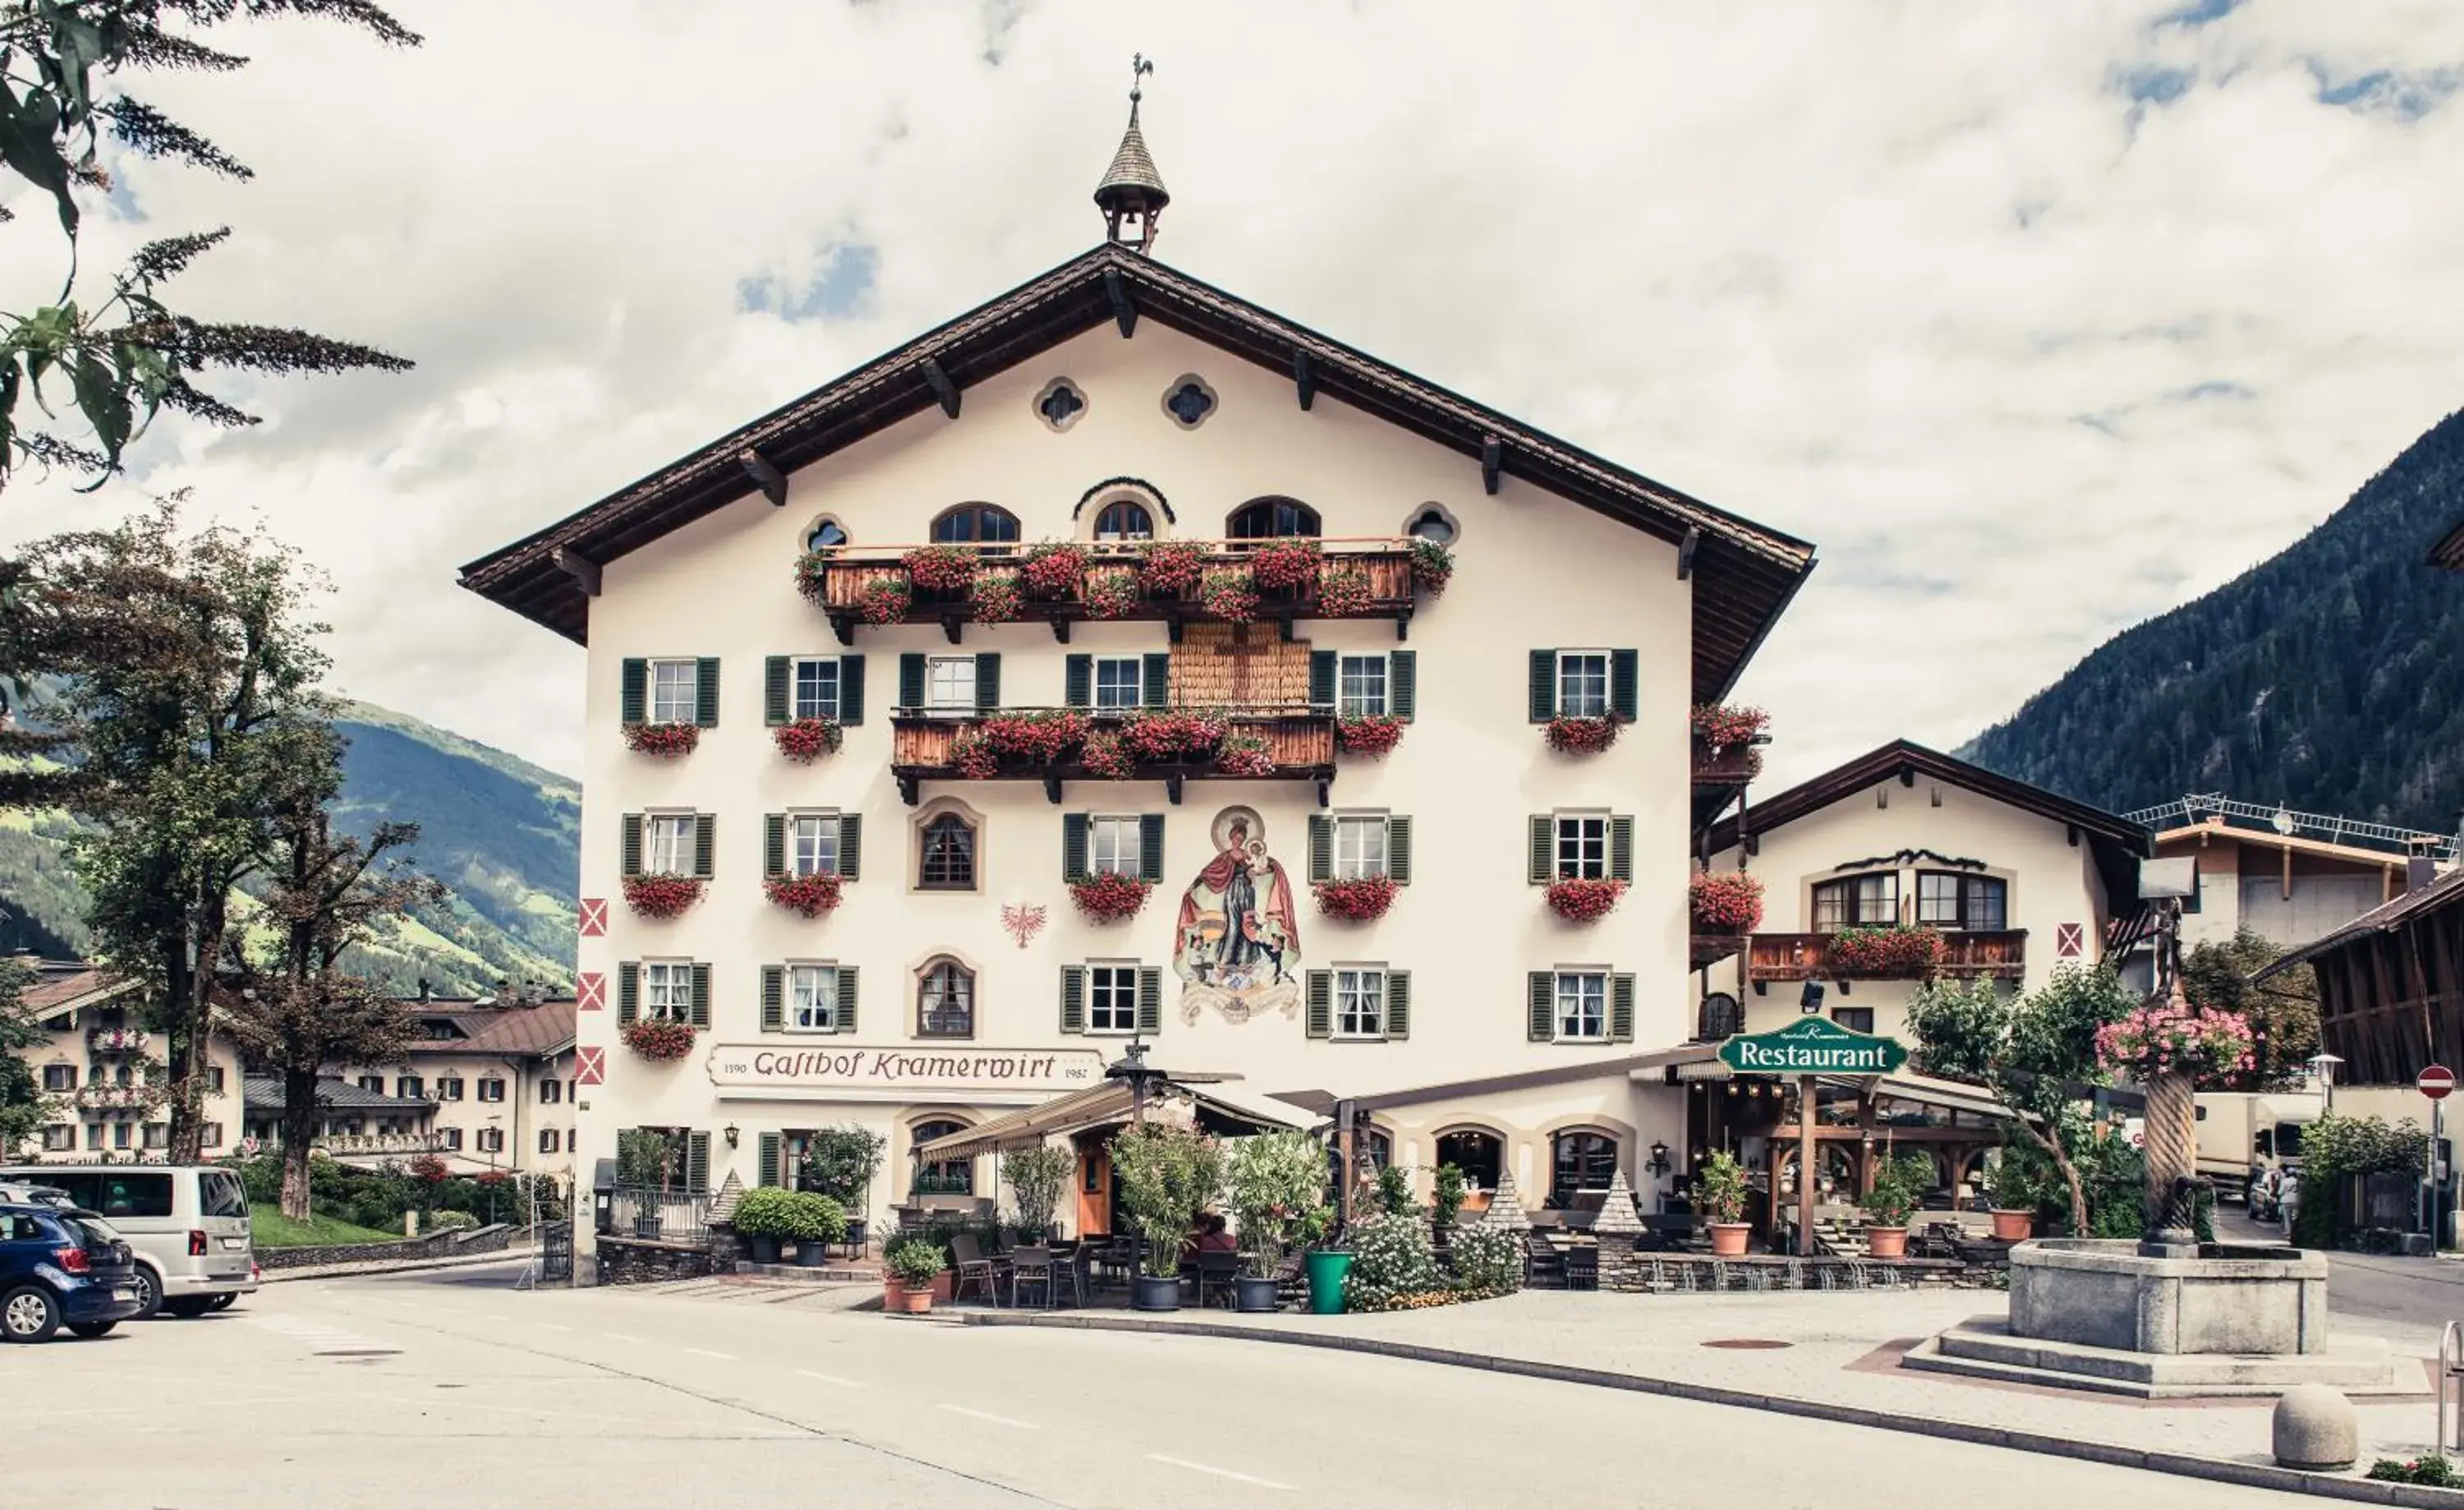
(1487, 1261)
(1170, 568)
(1390, 1259)
(1371, 735)
(1343, 592)
(1054, 569)
(972, 755)
(885, 600)
(1038, 737)
(1174, 736)
(1721, 726)
(809, 895)
(657, 1038)
(1105, 754)
(811, 568)
(808, 740)
(2177, 1038)
(1245, 754)
(1108, 897)
(940, 569)
(663, 740)
(1280, 565)
(1111, 591)
(661, 896)
(1359, 898)
(1432, 565)
(1896, 952)
(1229, 592)
(995, 597)
(1584, 900)
(428, 1170)
(1570, 736)
(1727, 901)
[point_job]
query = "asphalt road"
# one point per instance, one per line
(426, 1390)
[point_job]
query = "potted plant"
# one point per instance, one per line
(1449, 1193)
(1276, 1181)
(1169, 569)
(762, 1217)
(1280, 565)
(1369, 733)
(806, 896)
(1244, 753)
(1720, 1196)
(1432, 565)
(646, 1161)
(814, 1221)
(1726, 901)
(1900, 951)
(1345, 592)
(661, 896)
(805, 741)
(885, 600)
(1054, 569)
(907, 1272)
(1167, 1174)
(839, 1163)
(1570, 735)
(658, 1039)
(1229, 592)
(2015, 1189)
(1898, 1184)
(942, 570)
(1111, 593)
(996, 595)
(1037, 1176)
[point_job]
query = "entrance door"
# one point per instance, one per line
(1095, 1188)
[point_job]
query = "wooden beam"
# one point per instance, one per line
(1304, 380)
(579, 567)
(1172, 789)
(1052, 789)
(1124, 313)
(943, 388)
(1492, 462)
(1685, 551)
(950, 626)
(773, 481)
(1060, 629)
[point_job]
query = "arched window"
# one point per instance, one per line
(1123, 519)
(1579, 1158)
(1272, 518)
(976, 523)
(825, 535)
(1480, 1156)
(946, 856)
(1434, 524)
(946, 1176)
(945, 1001)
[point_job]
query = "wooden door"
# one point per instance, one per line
(1094, 1188)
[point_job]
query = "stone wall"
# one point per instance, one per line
(1625, 1270)
(634, 1260)
(437, 1244)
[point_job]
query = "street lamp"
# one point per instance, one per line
(2323, 1066)
(496, 1135)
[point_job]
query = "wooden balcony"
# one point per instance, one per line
(1300, 741)
(1999, 956)
(847, 571)
(1720, 777)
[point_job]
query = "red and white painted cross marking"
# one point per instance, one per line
(594, 916)
(590, 1066)
(2070, 940)
(2435, 1081)
(590, 991)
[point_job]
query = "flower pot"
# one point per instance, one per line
(1150, 1294)
(811, 1252)
(1254, 1295)
(762, 1249)
(1886, 1242)
(1728, 1239)
(1326, 1271)
(2013, 1227)
(897, 1299)
(916, 1302)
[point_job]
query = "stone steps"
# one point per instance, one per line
(1984, 1348)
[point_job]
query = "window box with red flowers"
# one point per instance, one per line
(885, 600)
(1719, 726)
(1036, 738)
(805, 741)
(1163, 738)
(1108, 897)
(1357, 899)
(657, 1038)
(1433, 566)
(666, 741)
(947, 570)
(661, 896)
(1579, 736)
(1373, 734)
(1281, 565)
(1898, 952)
(1344, 592)
(1726, 901)
(811, 568)
(1107, 754)
(806, 896)
(1170, 568)
(1579, 899)
(997, 596)
(1113, 593)
(1244, 754)
(1054, 569)
(1230, 593)
(972, 755)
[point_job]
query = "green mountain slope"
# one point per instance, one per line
(2329, 678)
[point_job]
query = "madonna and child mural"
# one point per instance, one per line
(1237, 946)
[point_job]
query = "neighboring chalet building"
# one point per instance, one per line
(1267, 518)
(2391, 995)
(94, 1061)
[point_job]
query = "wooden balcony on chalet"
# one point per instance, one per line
(1300, 741)
(1720, 777)
(1969, 954)
(846, 573)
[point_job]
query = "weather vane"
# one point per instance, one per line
(1139, 68)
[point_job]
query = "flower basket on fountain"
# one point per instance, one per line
(1584, 899)
(805, 741)
(1170, 568)
(1356, 899)
(661, 896)
(1167, 1176)
(1276, 1183)
(663, 740)
(1111, 593)
(1569, 735)
(2177, 1038)
(805, 896)
(1900, 1183)
(1229, 592)
(1108, 897)
(1345, 592)
(1246, 753)
(996, 595)
(1898, 952)
(1433, 566)
(885, 600)
(1369, 733)
(1054, 569)
(941, 570)
(658, 1039)
(1726, 901)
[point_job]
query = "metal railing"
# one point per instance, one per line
(2199, 807)
(672, 1216)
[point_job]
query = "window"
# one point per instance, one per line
(1582, 1006)
(1579, 1160)
(1582, 848)
(120, 1135)
(373, 1085)
(1480, 1157)
(1855, 1019)
(1189, 402)
(127, 1075)
(1858, 902)
(667, 843)
(409, 1088)
(947, 855)
(813, 843)
(214, 1079)
(943, 1177)
(453, 1137)
(548, 1140)
(1434, 524)
(975, 524)
(816, 688)
(825, 535)
(1362, 686)
(1359, 1003)
(949, 683)
(59, 1076)
(1272, 518)
(551, 1092)
(209, 1135)
(492, 1140)
(1060, 404)
(1359, 847)
(1113, 847)
(1947, 900)
(945, 1002)
(449, 1087)
(1124, 520)
(131, 1195)
(667, 997)
(60, 1137)
(493, 1089)
(674, 691)
(1583, 683)
(813, 998)
(1120, 684)
(1111, 998)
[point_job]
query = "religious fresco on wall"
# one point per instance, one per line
(1237, 944)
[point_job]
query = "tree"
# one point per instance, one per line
(2283, 1010)
(24, 1108)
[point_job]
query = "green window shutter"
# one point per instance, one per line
(846, 998)
(1151, 847)
(1322, 679)
(768, 1172)
(1399, 1005)
(636, 699)
(628, 993)
(1321, 1004)
(705, 843)
(1073, 998)
(774, 844)
(774, 997)
(1544, 685)
(1620, 1008)
(1544, 849)
(987, 681)
(632, 848)
(696, 1161)
(1398, 851)
(774, 690)
(1073, 846)
(1156, 675)
(1403, 683)
(706, 692)
(1078, 682)
(1622, 849)
(701, 996)
(1544, 1006)
(910, 681)
(1625, 683)
(1150, 999)
(851, 846)
(1321, 846)
(850, 690)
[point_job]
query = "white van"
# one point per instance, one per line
(187, 1227)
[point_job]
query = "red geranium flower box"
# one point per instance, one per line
(1281, 565)
(1230, 593)
(1722, 727)
(1727, 901)
(995, 597)
(1360, 898)
(809, 895)
(1170, 568)
(1581, 736)
(1345, 591)
(808, 740)
(940, 569)
(1244, 754)
(663, 740)
(1041, 738)
(657, 1038)
(885, 600)
(1371, 735)
(1111, 593)
(661, 896)
(1898, 952)
(1108, 897)
(1584, 900)
(1054, 570)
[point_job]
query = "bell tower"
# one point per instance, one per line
(1131, 195)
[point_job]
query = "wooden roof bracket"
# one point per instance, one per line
(1304, 380)
(950, 626)
(907, 793)
(943, 388)
(1060, 629)
(1052, 789)
(583, 571)
(1492, 462)
(1124, 313)
(1686, 549)
(772, 481)
(1402, 622)
(843, 627)
(1324, 792)
(1172, 789)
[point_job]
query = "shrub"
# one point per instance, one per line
(1037, 1177)
(1570, 736)
(841, 1162)
(1276, 1181)
(449, 1222)
(806, 896)
(914, 1261)
(2431, 1468)
(1450, 1189)
(1394, 1192)
(808, 739)
(665, 741)
(1359, 898)
(814, 1218)
(1584, 899)
(765, 1211)
(1720, 1189)
(1726, 901)
(661, 896)
(1167, 1174)
(430, 1169)
(1487, 1260)
(1899, 1184)
(1390, 1259)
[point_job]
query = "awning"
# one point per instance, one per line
(1098, 1105)
(1925, 1091)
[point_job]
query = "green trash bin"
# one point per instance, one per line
(1326, 1271)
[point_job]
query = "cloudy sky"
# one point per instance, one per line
(2037, 318)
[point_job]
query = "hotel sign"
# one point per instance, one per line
(1813, 1046)
(830, 1069)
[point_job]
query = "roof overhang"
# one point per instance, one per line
(1099, 1106)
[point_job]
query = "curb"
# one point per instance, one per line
(389, 1266)
(2220, 1470)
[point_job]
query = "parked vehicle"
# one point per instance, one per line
(186, 1225)
(2244, 1135)
(60, 1269)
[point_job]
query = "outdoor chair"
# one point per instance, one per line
(1582, 1268)
(857, 1241)
(973, 1268)
(1216, 1272)
(1031, 1267)
(1544, 1267)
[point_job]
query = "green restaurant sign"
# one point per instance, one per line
(1813, 1046)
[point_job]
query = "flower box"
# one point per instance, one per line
(1569, 735)
(1726, 901)
(808, 739)
(1345, 591)
(1898, 952)
(972, 755)
(1723, 728)
(119, 1040)
(1584, 900)
(1244, 754)
(1054, 569)
(1108, 897)
(1371, 735)
(1107, 754)
(1280, 565)
(1358, 899)
(665, 741)
(657, 1038)
(661, 896)
(947, 569)
(807, 895)
(1432, 565)
(811, 567)
(1037, 738)
(885, 600)
(1171, 737)
(1111, 593)
(1170, 568)
(1229, 592)
(997, 596)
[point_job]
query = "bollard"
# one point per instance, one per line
(2315, 1430)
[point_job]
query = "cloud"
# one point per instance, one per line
(2038, 319)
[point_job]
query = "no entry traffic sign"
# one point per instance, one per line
(2437, 1081)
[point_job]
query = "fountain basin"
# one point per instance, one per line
(2240, 1300)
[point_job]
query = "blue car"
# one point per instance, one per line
(63, 1268)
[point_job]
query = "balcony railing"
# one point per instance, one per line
(2001, 956)
(1729, 765)
(342, 1143)
(846, 573)
(118, 1041)
(1299, 742)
